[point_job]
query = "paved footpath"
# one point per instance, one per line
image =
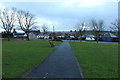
(59, 64)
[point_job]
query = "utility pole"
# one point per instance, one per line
(53, 29)
(53, 33)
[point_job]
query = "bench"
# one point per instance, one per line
(51, 44)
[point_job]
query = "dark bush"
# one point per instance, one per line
(6, 35)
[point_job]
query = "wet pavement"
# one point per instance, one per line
(61, 63)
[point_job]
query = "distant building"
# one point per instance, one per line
(110, 37)
(19, 35)
(36, 32)
(32, 36)
(72, 34)
(87, 37)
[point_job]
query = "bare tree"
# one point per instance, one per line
(115, 25)
(7, 20)
(44, 28)
(80, 28)
(26, 21)
(97, 27)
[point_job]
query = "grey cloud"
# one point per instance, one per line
(67, 17)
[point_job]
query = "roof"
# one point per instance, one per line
(60, 36)
(90, 36)
(109, 35)
(19, 33)
(112, 35)
(72, 32)
(87, 36)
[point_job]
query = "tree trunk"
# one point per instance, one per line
(8, 36)
(97, 38)
(80, 37)
(27, 36)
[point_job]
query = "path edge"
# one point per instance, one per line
(29, 71)
(79, 67)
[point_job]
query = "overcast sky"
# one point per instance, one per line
(64, 15)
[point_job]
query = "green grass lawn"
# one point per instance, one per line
(98, 60)
(21, 56)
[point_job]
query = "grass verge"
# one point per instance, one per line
(20, 56)
(98, 60)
